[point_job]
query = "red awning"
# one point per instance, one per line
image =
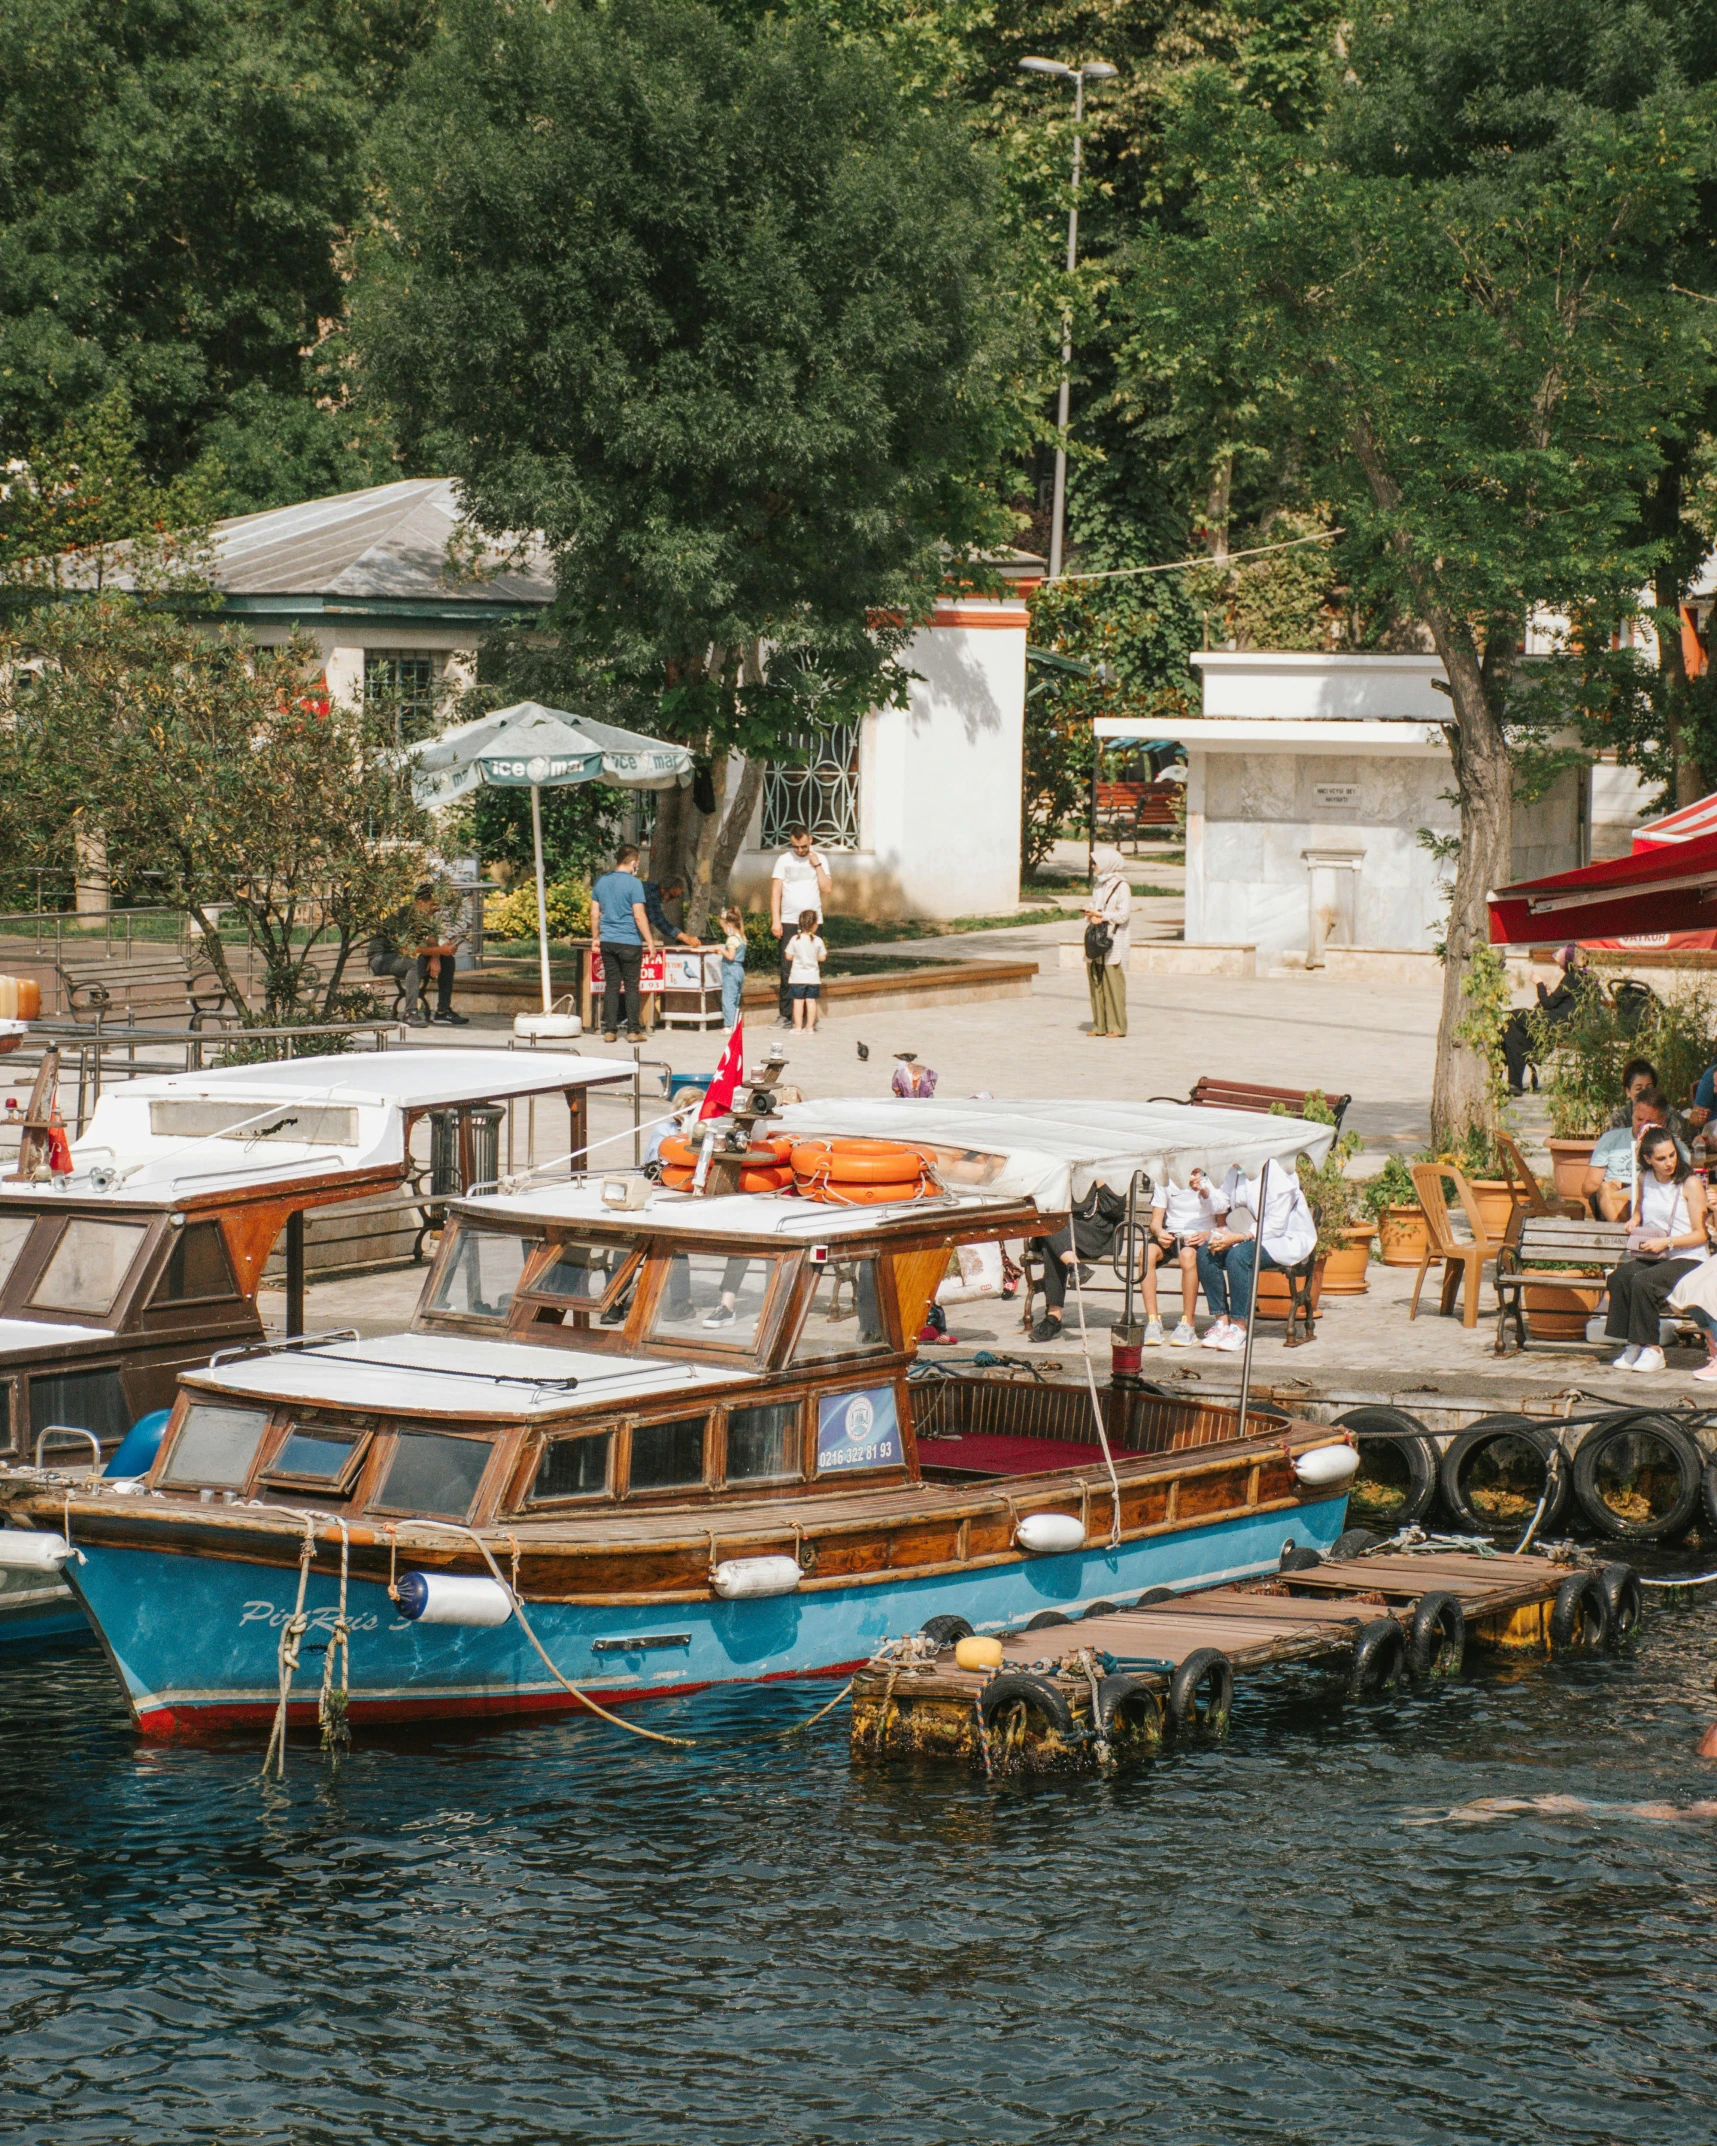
(1671, 887)
(1682, 826)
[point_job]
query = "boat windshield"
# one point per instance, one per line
(580, 1276)
(480, 1274)
(14, 1235)
(713, 1297)
(843, 1317)
(88, 1266)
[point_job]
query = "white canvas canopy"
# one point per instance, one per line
(1054, 1151)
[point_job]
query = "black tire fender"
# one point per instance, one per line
(1437, 1636)
(1353, 1542)
(1689, 1462)
(1129, 1711)
(1044, 1619)
(1018, 1687)
(1299, 1560)
(1467, 1444)
(1098, 1609)
(944, 1630)
(1379, 1656)
(1580, 1615)
(1152, 1595)
(1206, 1674)
(1408, 1437)
(1624, 1597)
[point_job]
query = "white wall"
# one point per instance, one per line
(939, 781)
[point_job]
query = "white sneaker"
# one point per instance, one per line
(1153, 1334)
(1235, 1338)
(1647, 1360)
(1185, 1336)
(1216, 1336)
(1627, 1359)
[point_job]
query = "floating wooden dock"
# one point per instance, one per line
(1081, 1690)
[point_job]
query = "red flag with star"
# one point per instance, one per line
(718, 1098)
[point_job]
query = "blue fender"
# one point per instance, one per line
(139, 1446)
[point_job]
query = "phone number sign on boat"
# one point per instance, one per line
(858, 1430)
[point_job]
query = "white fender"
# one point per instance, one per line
(749, 1579)
(1325, 1466)
(449, 1598)
(32, 1550)
(1050, 1534)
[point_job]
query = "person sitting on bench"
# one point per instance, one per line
(1268, 1211)
(1520, 1036)
(1182, 1219)
(1608, 1186)
(1090, 1235)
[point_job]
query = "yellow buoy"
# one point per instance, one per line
(978, 1653)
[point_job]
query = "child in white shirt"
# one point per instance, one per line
(806, 954)
(1182, 1218)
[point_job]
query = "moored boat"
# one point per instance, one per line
(639, 1442)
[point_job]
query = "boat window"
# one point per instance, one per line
(88, 1266)
(581, 1273)
(668, 1456)
(301, 1124)
(216, 1445)
(433, 1472)
(481, 1273)
(763, 1442)
(318, 1455)
(845, 1315)
(574, 1467)
(710, 1296)
(93, 1400)
(197, 1267)
(14, 1235)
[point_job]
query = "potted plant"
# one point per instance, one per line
(1561, 1314)
(1332, 1196)
(1392, 1202)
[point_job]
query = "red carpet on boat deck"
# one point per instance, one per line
(994, 1453)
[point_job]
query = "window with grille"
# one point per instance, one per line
(399, 683)
(820, 792)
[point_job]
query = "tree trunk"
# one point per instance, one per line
(700, 879)
(747, 791)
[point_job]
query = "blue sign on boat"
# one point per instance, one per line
(858, 1430)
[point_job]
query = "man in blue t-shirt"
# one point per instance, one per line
(622, 927)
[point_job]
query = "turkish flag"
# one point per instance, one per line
(718, 1098)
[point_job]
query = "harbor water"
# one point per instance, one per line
(1481, 1912)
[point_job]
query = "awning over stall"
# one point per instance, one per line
(1052, 1152)
(1670, 887)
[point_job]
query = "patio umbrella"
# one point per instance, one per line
(530, 747)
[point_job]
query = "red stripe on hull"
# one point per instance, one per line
(206, 1720)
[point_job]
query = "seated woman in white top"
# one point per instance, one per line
(1666, 1236)
(1182, 1218)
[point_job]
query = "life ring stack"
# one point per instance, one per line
(861, 1173)
(679, 1159)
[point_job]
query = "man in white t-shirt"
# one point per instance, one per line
(1261, 1222)
(800, 881)
(1182, 1218)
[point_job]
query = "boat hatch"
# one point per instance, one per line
(87, 1267)
(580, 1281)
(321, 1457)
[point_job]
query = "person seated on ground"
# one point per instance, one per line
(1182, 1218)
(1520, 1035)
(1090, 1235)
(1268, 1211)
(1666, 1240)
(1608, 1186)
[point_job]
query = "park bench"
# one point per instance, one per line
(152, 988)
(1128, 808)
(1217, 1094)
(1538, 1255)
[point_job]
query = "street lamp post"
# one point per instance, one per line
(1088, 71)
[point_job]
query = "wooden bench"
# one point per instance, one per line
(1130, 807)
(1218, 1094)
(1539, 1250)
(151, 987)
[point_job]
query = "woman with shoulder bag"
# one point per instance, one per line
(1108, 930)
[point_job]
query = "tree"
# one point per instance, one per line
(1450, 290)
(219, 774)
(720, 313)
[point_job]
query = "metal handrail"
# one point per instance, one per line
(68, 1430)
(292, 1341)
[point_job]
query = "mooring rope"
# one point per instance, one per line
(291, 1640)
(332, 1705)
(1096, 1405)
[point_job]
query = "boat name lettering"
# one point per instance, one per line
(858, 1430)
(317, 1620)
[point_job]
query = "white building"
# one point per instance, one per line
(1310, 779)
(917, 808)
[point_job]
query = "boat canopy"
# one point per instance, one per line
(172, 1136)
(740, 1214)
(1053, 1151)
(450, 1375)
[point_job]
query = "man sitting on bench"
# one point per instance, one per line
(1096, 1218)
(1252, 1215)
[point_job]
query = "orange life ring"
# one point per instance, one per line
(682, 1154)
(678, 1178)
(834, 1194)
(856, 1162)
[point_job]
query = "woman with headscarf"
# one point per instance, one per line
(1520, 1037)
(1108, 930)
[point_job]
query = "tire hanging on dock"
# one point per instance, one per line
(1437, 1636)
(1018, 1688)
(1397, 1481)
(1201, 1693)
(1637, 1476)
(1129, 1713)
(947, 1628)
(1494, 1474)
(1379, 1656)
(1580, 1615)
(1625, 1599)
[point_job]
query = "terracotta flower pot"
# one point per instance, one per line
(1273, 1298)
(1345, 1267)
(1401, 1236)
(1495, 1204)
(1560, 1314)
(1571, 1160)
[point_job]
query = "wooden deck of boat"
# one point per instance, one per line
(932, 1707)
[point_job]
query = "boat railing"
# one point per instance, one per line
(68, 1430)
(1135, 1421)
(290, 1341)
